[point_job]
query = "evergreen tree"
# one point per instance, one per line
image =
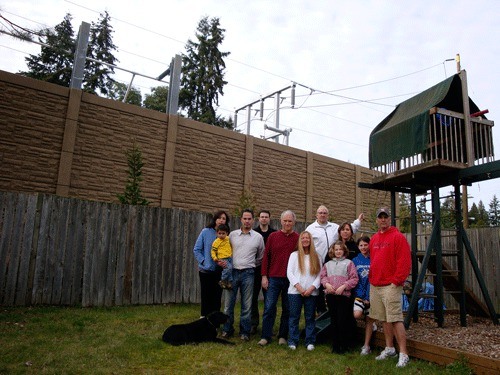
(448, 213)
(494, 213)
(483, 219)
(422, 214)
(55, 61)
(118, 91)
(473, 215)
(157, 100)
(203, 74)
(404, 213)
(98, 76)
(245, 200)
(133, 193)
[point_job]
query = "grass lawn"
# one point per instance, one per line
(127, 340)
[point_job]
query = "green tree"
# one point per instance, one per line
(133, 193)
(118, 91)
(422, 214)
(494, 213)
(157, 100)
(483, 219)
(98, 76)
(448, 212)
(404, 213)
(245, 200)
(203, 74)
(473, 215)
(55, 61)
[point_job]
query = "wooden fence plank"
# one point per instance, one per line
(146, 295)
(9, 200)
(167, 244)
(25, 251)
(61, 220)
(157, 245)
(138, 258)
(79, 245)
(129, 256)
(121, 245)
(170, 255)
(13, 259)
(102, 254)
(112, 250)
(90, 225)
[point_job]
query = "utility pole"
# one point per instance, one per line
(82, 43)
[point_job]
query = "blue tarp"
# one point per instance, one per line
(424, 304)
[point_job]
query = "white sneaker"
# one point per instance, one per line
(292, 347)
(262, 342)
(310, 347)
(365, 350)
(386, 353)
(281, 341)
(403, 360)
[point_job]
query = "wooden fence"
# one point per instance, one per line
(62, 251)
(65, 251)
(485, 243)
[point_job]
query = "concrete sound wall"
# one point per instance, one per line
(66, 142)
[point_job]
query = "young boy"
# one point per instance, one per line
(362, 292)
(221, 250)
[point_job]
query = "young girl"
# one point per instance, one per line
(362, 291)
(303, 273)
(339, 277)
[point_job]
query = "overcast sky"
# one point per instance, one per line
(353, 61)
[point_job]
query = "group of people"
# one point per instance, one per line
(321, 270)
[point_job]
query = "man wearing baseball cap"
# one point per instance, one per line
(390, 266)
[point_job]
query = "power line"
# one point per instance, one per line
(315, 91)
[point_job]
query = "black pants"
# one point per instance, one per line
(257, 286)
(343, 324)
(320, 301)
(211, 292)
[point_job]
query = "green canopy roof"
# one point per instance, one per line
(405, 132)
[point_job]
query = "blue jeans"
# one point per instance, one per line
(227, 273)
(242, 280)
(296, 301)
(277, 286)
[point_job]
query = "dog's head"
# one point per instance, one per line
(217, 318)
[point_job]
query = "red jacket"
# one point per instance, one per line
(390, 258)
(279, 246)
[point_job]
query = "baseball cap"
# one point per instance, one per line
(383, 210)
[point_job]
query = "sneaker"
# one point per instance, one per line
(365, 350)
(262, 342)
(244, 338)
(310, 347)
(403, 360)
(225, 335)
(292, 347)
(281, 341)
(386, 353)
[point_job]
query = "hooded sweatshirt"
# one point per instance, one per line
(390, 258)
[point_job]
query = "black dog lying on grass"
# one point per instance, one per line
(201, 330)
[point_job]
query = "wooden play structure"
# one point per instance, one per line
(435, 139)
